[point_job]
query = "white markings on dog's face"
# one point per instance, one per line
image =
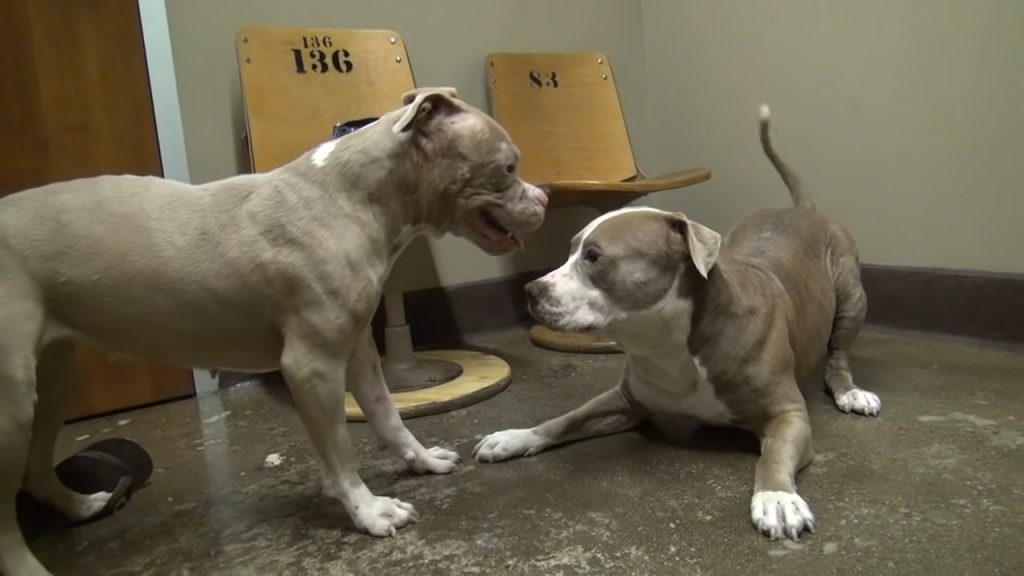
(612, 272)
(322, 152)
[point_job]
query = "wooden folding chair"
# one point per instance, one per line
(297, 84)
(563, 111)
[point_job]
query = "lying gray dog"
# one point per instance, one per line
(720, 335)
(281, 270)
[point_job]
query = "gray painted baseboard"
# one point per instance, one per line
(952, 302)
(979, 305)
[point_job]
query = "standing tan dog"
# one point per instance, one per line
(720, 335)
(252, 273)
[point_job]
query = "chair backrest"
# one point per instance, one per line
(298, 82)
(563, 111)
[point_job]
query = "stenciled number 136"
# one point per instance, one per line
(319, 55)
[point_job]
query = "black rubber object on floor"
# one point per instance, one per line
(116, 465)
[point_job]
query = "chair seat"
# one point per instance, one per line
(605, 195)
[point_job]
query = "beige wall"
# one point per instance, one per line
(447, 41)
(905, 119)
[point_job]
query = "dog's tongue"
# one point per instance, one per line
(503, 239)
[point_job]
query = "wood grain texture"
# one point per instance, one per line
(110, 383)
(600, 194)
(75, 102)
(563, 111)
(483, 376)
(288, 112)
(573, 342)
(75, 93)
(569, 127)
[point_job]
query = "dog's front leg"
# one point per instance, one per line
(366, 379)
(776, 508)
(608, 413)
(315, 374)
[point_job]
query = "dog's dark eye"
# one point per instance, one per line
(511, 168)
(591, 255)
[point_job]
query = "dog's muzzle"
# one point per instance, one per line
(536, 292)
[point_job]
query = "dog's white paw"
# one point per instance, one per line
(436, 460)
(73, 505)
(780, 514)
(88, 505)
(508, 444)
(382, 516)
(859, 402)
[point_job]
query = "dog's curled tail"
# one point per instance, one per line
(796, 189)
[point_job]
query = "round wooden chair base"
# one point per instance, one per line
(576, 342)
(419, 373)
(483, 376)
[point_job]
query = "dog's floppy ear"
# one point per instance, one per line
(411, 95)
(703, 242)
(422, 103)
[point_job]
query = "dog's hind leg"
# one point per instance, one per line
(18, 391)
(851, 307)
(55, 379)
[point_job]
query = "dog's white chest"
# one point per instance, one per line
(683, 389)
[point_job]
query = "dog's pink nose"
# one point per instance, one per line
(536, 290)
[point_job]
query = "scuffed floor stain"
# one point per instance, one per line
(958, 417)
(1007, 439)
(932, 486)
(1000, 437)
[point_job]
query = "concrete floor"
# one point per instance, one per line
(932, 486)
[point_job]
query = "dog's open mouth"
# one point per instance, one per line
(489, 228)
